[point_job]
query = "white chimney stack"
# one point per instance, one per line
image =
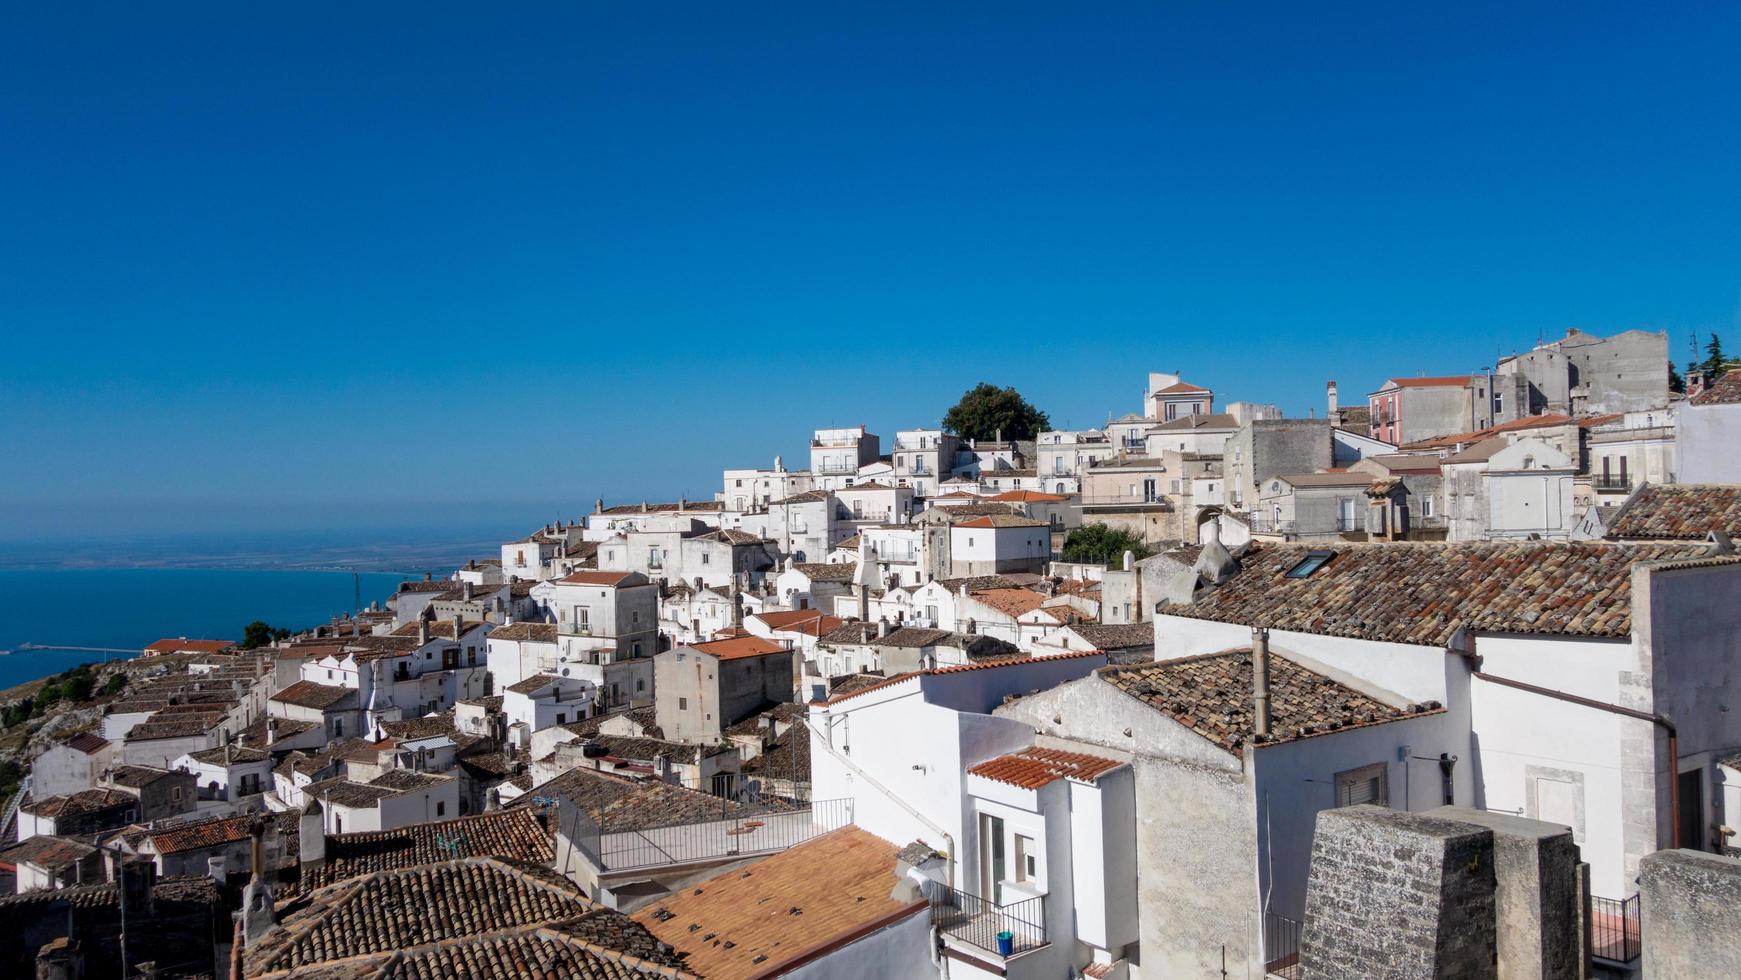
(1260, 681)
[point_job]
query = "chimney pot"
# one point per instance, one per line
(1260, 681)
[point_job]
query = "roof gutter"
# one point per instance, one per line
(949, 839)
(1661, 721)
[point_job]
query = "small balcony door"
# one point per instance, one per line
(992, 870)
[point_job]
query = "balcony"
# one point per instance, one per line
(1611, 484)
(1264, 524)
(771, 829)
(1615, 929)
(1281, 947)
(835, 469)
(967, 918)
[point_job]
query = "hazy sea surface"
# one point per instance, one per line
(130, 607)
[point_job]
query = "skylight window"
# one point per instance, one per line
(1313, 561)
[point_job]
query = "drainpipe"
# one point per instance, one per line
(949, 839)
(1661, 721)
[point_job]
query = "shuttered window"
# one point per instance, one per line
(1367, 784)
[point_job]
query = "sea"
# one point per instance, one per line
(127, 608)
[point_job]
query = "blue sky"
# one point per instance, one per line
(259, 263)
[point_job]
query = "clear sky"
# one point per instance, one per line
(277, 260)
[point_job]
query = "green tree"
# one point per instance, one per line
(114, 685)
(260, 633)
(985, 410)
(1714, 359)
(1102, 545)
(1676, 383)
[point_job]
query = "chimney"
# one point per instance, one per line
(311, 836)
(882, 628)
(458, 628)
(465, 589)
(422, 631)
(972, 627)
(218, 868)
(1129, 561)
(1330, 394)
(1260, 682)
(428, 576)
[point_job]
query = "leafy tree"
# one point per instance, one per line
(1714, 359)
(114, 685)
(1103, 545)
(10, 775)
(1676, 383)
(260, 633)
(985, 410)
(16, 712)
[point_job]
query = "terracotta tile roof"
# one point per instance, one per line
(172, 896)
(190, 646)
(1421, 593)
(202, 834)
(535, 632)
(73, 804)
(848, 683)
(236, 755)
(978, 583)
(1480, 452)
(810, 622)
(1678, 512)
(424, 727)
(308, 694)
(1117, 636)
(1028, 496)
(48, 851)
(1450, 381)
(1182, 388)
(439, 628)
(1211, 695)
(403, 780)
(1726, 390)
(254, 736)
(954, 669)
(686, 506)
(514, 834)
(1001, 521)
(631, 748)
(341, 791)
(822, 572)
(788, 757)
(620, 803)
(1035, 767)
(530, 684)
(1327, 479)
(1011, 601)
(770, 916)
(135, 777)
(806, 497)
(736, 649)
(612, 579)
(468, 917)
(89, 743)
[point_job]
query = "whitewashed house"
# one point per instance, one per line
(544, 700)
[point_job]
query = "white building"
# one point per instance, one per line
(997, 544)
(545, 700)
(837, 454)
(1707, 431)
(70, 766)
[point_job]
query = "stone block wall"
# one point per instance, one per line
(1399, 895)
(1692, 914)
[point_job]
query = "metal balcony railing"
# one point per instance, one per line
(1615, 929)
(1281, 947)
(978, 921)
(1622, 484)
(747, 831)
(1269, 525)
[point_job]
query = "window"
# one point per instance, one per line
(562, 717)
(338, 824)
(640, 684)
(175, 794)
(1313, 561)
(441, 808)
(1367, 784)
(582, 616)
(1427, 506)
(682, 704)
(1027, 861)
(706, 559)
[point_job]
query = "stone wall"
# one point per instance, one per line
(1399, 895)
(1692, 914)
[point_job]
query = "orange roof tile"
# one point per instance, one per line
(956, 669)
(1033, 768)
(735, 649)
(1182, 388)
(1028, 496)
(774, 915)
(595, 578)
(811, 622)
(1011, 601)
